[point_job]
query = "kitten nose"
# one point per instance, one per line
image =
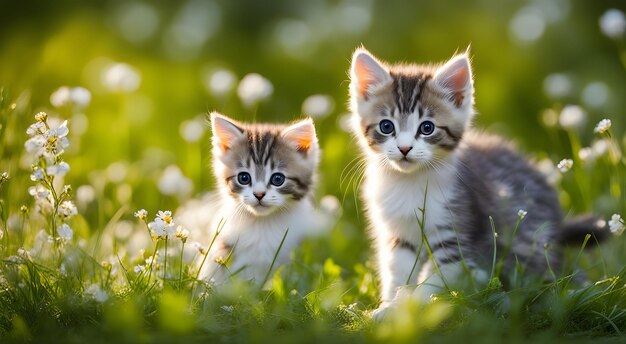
(405, 150)
(259, 195)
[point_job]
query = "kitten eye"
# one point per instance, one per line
(426, 128)
(386, 126)
(244, 178)
(277, 179)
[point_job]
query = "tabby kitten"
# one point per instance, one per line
(266, 174)
(429, 176)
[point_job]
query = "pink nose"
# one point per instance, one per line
(405, 150)
(259, 195)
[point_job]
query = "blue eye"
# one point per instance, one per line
(277, 179)
(386, 126)
(426, 128)
(244, 178)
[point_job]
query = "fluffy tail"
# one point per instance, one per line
(573, 231)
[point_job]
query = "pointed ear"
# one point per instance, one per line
(456, 78)
(225, 131)
(301, 135)
(366, 72)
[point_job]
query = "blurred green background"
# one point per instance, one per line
(155, 68)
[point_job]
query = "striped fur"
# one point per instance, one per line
(448, 187)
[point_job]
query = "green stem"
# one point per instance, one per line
(165, 261)
(156, 248)
(269, 271)
(180, 274)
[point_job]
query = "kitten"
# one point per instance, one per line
(429, 175)
(266, 176)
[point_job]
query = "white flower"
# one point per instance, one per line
(163, 224)
(141, 214)
(59, 169)
(78, 96)
(522, 213)
(67, 209)
(318, 105)
(139, 268)
(96, 293)
(35, 144)
(220, 82)
(613, 23)
(603, 126)
(121, 77)
(37, 175)
(557, 85)
(586, 154)
(565, 165)
(198, 246)
(572, 116)
(65, 232)
(41, 116)
(191, 131)
(39, 192)
(182, 233)
(254, 88)
(4, 176)
(172, 182)
(37, 128)
(616, 224)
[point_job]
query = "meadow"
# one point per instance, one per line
(103, 110)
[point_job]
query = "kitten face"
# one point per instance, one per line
(264, 167)
(410, 117)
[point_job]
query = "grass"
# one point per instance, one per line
(93, 286)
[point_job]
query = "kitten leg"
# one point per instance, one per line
(396, 259)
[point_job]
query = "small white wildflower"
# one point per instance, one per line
(163, 224)
(41, 116)
(603, 126)
(198, 246)
(65, 232)
(121, 77)
(141, 214)
(35, 144)
(4, 176)
(37, 175)
(191, 131)
(174, 183)
(37, 128)
(616, 224)
(572, 116)
(254, 88)
(600, 147)
(318, 105)
(39, 192)
(565, 165)
(96, 293)
(21, 251)
(522, 213)
(586, 154)
(182, 233)
(67, 209)
(139, 268)
(220, 82)
(59, 169)
(80, 96)
(613, 23)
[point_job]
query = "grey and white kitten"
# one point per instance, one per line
(266, 175)
(428, 175)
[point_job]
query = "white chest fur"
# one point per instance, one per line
(256, 240)
(395, 201)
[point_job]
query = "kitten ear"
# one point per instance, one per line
(366, 72)
(456, 78)
(225, 131)
(301, 135)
